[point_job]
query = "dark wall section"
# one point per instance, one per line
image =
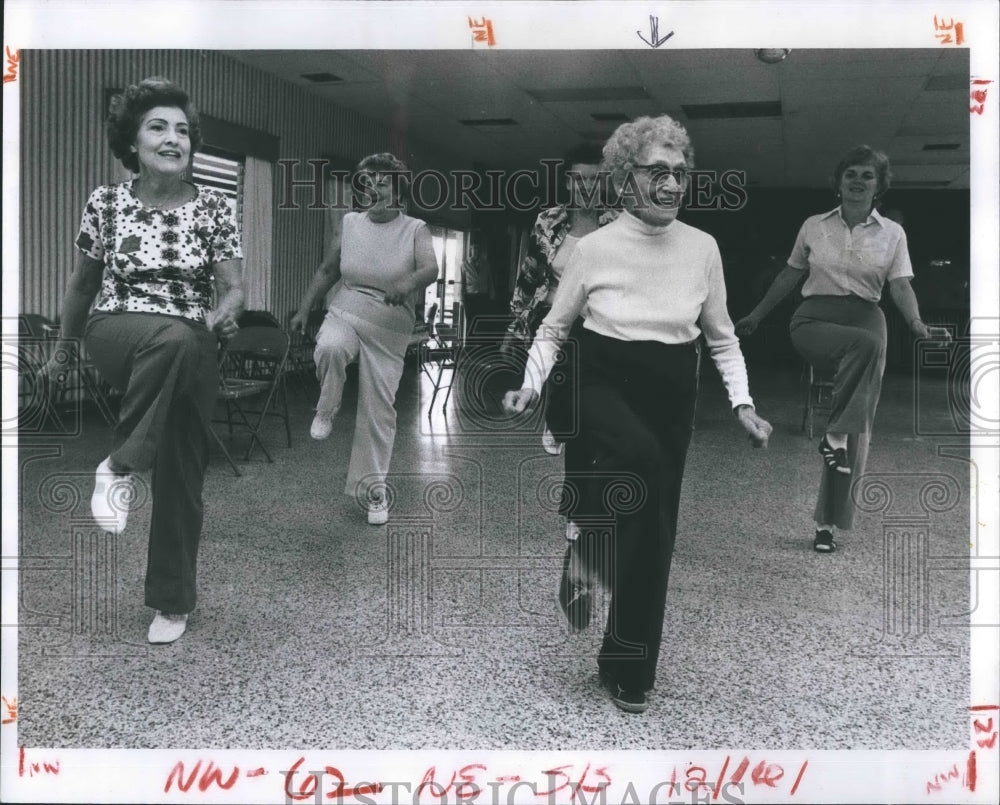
(756, 240)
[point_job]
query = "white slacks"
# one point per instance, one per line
(343, 339)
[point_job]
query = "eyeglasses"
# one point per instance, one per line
(368, 180)
(660, 171)
(374, 180)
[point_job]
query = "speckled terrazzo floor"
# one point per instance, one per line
(442, 630)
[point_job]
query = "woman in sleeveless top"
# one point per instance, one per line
(380, 261)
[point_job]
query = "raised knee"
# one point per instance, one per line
(329, 350)
(181, 340)
(871, 344)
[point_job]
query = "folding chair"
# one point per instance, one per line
(257, 318)
(95, 388)
(35, 406)
(252, 367)
(439, 352)
(818, 397)
(85, 382)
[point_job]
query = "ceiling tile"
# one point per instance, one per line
(561, 69)
(831, 100)
(799, 91)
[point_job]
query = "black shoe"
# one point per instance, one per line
(574, 594)
(835, 457)
(631, 701)
(823, 542)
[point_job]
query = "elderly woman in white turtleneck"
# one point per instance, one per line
(652, 286)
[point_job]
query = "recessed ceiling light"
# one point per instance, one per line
(589, 94)
(490, 121)
(941, 147)
(321, 78)
(930, 130)
(741, 109)
(610, 117)
(921, 183)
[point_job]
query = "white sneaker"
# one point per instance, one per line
(378, 511)
(166, 628)
(552, 447)
(322, 426)
(109, 504)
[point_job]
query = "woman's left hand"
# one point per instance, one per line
(399, 293)
(758, 429)
(224, 324)
(939, 335)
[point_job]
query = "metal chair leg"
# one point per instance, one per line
(225, 452)
(93, 389)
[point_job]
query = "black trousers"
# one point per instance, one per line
(623, 485)
(476, 306)
(562, 389)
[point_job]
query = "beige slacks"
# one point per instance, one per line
(344, 339)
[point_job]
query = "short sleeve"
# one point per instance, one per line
(900, 266)
(88, 239)
(799, 258)
(224, 243)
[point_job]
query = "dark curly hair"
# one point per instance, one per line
(585, 153)
(127, 108)
(387, 163)
(864, 155)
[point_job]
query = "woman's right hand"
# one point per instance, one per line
(520, 400)
(298, 322)
(747, 324)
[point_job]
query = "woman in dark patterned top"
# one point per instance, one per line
(153, 251)
(553, 240)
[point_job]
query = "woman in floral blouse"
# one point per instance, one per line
(553, 240)
(153, 251)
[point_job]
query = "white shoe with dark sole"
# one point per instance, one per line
(378, 511)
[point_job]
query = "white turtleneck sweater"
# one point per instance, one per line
(637, 282)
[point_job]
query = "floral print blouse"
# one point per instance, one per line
(535, 277)
(158, 261)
